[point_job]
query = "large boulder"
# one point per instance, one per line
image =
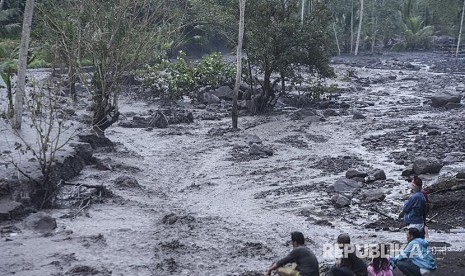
(40, 222)
(224, 93)
(209, 98)
(10, 209)
(424, 165)
(344, 185)
(354, 173)
(454, 157)
(340, 201)
(379, 175)
(442, 99)
(373, 196)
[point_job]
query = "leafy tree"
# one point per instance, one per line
(278, 43)
(11, 13)
(117, 36)
(416, 34)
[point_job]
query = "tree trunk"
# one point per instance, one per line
(460, 32)
(357, 43)
(22, 64)
(352, 28)
(337, 40)
(302, 13)
(239, 63)
(1, 4)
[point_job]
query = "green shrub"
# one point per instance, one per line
(180, 78)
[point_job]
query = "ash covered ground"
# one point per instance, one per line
(209, 200)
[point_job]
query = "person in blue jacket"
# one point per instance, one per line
(414, 208)
(416, 259)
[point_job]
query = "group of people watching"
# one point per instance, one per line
(415, 259)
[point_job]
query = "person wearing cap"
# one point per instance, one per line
(414, 209)
(304, 262)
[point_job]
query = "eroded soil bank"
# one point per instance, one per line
(219, 202)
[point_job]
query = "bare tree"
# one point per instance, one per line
(460, 32)
(51, 132)
(22, 64)
(239, 62)
(357, 43)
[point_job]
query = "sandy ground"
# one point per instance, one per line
(206, 207)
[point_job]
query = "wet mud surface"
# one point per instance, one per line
(210, 200)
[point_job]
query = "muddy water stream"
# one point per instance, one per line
(205, 208)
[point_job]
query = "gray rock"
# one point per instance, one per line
(442, 99)
(460, 175)
(10, 209)
(96, 141)
(379, 175)
(354, 173)
(424, 165)
(40, 222)
(126, 181)
(453, 157)
(358, 115)
(223, 92)
(340, 201)
(370, 179)
(434, 132)
(408, 171)
(343, 185)
(256, 149)
(252, 139)
(359, 179)
(373, 196)
(84, 150)
(453, 105)
(209, 98)
(330, 112)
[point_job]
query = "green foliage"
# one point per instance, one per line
(212, 70)
(417, 36)
(276, 41)
(11, 18)
(8, 68)
(180, 78)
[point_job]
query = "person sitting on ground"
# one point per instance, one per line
(416, 259)
(349, 264)
(305, 262)
(380, 265)
(413, 211)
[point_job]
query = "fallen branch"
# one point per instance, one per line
(381, 213)
(101, 190)
(431, 218)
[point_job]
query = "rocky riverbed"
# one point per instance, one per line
(199, 198)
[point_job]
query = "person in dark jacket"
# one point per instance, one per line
(305, 262)
(349, 264)
(414, 209)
